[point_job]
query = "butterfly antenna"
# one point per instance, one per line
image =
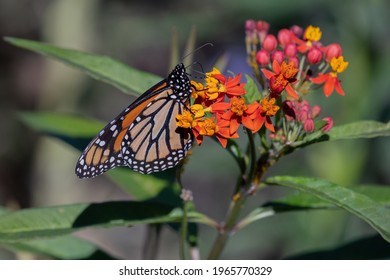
(197, 49)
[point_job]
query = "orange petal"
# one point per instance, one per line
(268, 74)
(220, 106)
(233, 81)
(276, 67)
(290, 91)
(234, 125)
(329, 86)
(338, 88)
(269, 125)
(321, 78)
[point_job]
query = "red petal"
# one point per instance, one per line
(269, 125)
(276, 66)
(237, 90)
(233, 82)
(234, 125)
(329, 86)
(321, 78)
(220, 78)
(248, 123)
(338, 87)
(220, 106)
(268, 74)
(290, 91)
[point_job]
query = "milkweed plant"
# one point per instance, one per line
(270, 112)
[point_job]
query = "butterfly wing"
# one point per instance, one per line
(153, 142)
(144, 136)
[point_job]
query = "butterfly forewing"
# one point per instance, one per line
(144, 136)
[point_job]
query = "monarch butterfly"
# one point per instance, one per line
(144, 136)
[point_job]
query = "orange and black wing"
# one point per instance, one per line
(144, 136)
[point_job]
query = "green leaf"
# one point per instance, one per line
(160, 187)
(252, 90)
(373, 212)
(380, 194)
(46, 222)
(361, 129)
(368, 248)
(62, 247)
(57, 124)
(99, 67)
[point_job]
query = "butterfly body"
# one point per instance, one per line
(144, 136)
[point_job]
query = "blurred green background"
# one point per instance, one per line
(39, 171)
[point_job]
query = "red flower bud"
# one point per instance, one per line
(290, 50)
(329, 124)
(250, 25)
(278, 56)
(284, 37)
(296, 30)
(315, 111)
(333, 50)
(262, 29)
(314, 55)
(262, 57)
(269, 43)
(308, 126)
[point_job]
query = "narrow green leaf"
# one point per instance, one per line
(161, 187)
(57, 124)
(99, 67)
(361, 129)
(46, 222)
(373, 212)
(368, 248)
(63, 247)
(380, 194)
(252, 90)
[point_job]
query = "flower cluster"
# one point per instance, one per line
(300, 48)
(219, 107)
(294, 62)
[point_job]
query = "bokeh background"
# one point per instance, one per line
(39, 171)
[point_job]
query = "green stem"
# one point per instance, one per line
(226, 230)
(237, 203)
(252, 161)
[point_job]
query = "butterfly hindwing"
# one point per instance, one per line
(144, 136)
(154, 142)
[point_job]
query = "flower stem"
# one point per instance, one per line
(237, 203)
(227, 229)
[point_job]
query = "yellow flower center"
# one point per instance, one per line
(198, 91)
(268, 107)
(288, 70)
(184, 120)
(198, 111)
(312, 33)
(338, 64)
(238, 106)
(208, 127)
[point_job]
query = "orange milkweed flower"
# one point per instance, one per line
(268, 110)
(311, 36)
(330, 79)
(236, 112)
(282, 78)
(208, 127)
